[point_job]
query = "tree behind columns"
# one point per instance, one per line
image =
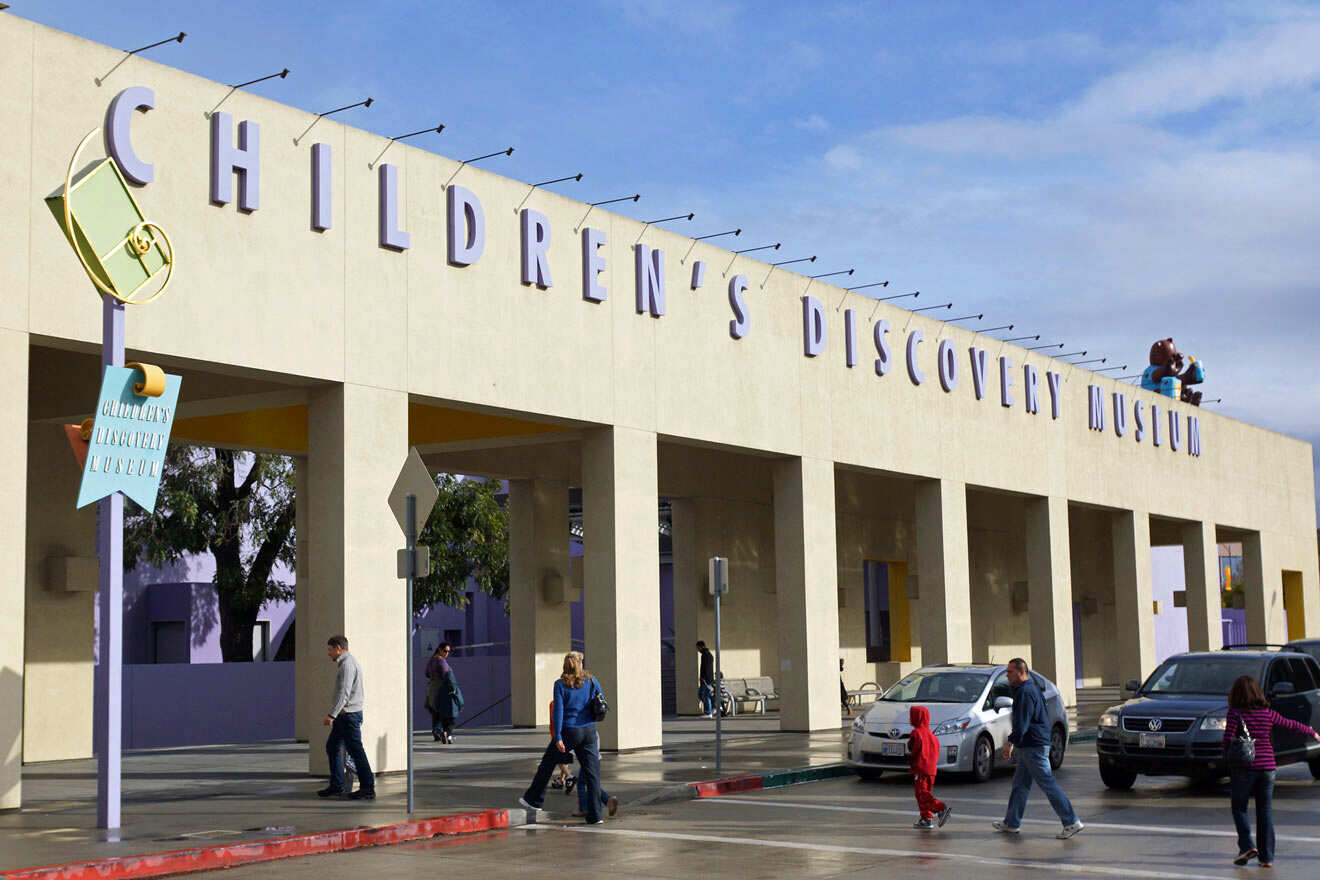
(468, 536)
(207, 503)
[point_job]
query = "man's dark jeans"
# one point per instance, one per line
(1258, 784)
(582, 742)
(346, 732)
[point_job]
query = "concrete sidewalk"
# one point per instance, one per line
(177, 798)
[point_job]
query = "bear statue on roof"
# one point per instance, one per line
(1167, 376)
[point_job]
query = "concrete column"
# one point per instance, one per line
(1049, 593)
(1133, 598)
(308, 651)
(540, 591)
(357, 442)
(58, 632)
(807, 591)
(1205, 630)
(688, 584)
(13, 488)
(1263, 586)
(621, 593)
(943, 585)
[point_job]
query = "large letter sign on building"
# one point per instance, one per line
(126, 451)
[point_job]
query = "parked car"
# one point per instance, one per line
(970, 715)
(1174, 723)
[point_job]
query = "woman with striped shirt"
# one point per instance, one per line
(1248, 708)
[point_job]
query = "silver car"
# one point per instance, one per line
(970, 714)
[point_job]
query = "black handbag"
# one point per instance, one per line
(1242, 749)
(598, 706)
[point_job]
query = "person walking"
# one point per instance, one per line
(843, 692)
(575, 729)
(444, 699)
(923, 756)
(345, 723)
(1249, 713)
(706, 681)
(1031, 737)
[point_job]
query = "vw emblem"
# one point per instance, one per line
(1155, 724)
(893, 732)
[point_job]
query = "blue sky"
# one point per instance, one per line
(1102, 174)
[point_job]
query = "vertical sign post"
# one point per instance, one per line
(411, 500)
(719, 585)
(410, 545)
(108, 703)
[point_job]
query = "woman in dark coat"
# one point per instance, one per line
(444, 700)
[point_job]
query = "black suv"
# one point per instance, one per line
(1174, 723)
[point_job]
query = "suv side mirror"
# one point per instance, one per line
(1003, 703)
(1132, 685)
(1283, 689)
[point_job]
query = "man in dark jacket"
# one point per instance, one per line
(706, 681)
(1031, 737)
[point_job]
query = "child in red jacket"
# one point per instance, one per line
(924, 754)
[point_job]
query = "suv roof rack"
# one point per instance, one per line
(1255, 646)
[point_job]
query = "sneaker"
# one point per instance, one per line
(595, 821)
(331, 791)
(924, 824)
(1244, 857)
(613, 805)
(523, 801)
(569, 784)
(363, 794)
(556, 783)
(1070, 830)
(944, 815)
(1005, 827)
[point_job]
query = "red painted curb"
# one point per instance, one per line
(229, 855)
(729, 785)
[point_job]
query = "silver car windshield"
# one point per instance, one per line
(938, 687)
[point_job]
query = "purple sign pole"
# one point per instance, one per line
(107, 722)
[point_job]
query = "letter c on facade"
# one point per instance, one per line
(914, 372)
(119, 141)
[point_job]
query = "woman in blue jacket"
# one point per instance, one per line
(576, 732)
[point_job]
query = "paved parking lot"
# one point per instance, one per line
(1164, 828)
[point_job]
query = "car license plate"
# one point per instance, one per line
(897, 750)
(1151, 740)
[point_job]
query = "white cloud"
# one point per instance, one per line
(814, 123)
(689, 15)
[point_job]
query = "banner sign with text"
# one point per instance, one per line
(129, 439)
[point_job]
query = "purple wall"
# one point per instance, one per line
(183, 704)
(1166, 576)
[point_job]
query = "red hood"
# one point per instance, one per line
(919, 716)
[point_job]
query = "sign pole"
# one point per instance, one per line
(108, 705)
(410, 536)
(719, 693)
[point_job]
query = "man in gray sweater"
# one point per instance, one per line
(345, 723)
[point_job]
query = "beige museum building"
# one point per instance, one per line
(340, 306)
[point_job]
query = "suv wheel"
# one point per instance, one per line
(1116, 777)
(1314, 764)
(983, 759)
(1058, 745)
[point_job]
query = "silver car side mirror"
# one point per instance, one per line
(1003, 703)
